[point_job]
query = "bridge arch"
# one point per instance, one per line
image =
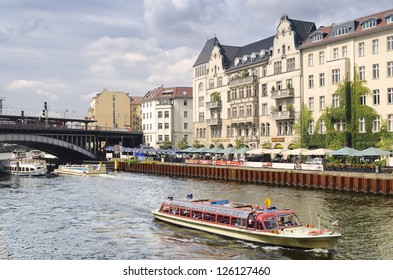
(60, 148)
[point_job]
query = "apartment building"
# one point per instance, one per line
(167, 116)
(111, 109)
(136, 113)
(330, 55)
(250, 93)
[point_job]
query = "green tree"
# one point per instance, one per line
(166, 145)
(302, 127)
(239, 143)
(197, 144)
(182, 144)
(386, 138)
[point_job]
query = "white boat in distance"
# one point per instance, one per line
(81, 169)
(266, 225)
(20, 165)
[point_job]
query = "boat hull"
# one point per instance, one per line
(81, 170)
(269, 238)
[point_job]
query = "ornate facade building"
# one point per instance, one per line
(255, 93)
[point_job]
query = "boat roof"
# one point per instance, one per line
(218, 209)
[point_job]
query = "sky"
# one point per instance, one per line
(65, 52)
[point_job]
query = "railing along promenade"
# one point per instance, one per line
(324, 180)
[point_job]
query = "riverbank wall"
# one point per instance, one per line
(342, 181)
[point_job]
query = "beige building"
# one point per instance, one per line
(331, 54)
(250, 93)
(136, 113)
(167, 116)
(111, 109)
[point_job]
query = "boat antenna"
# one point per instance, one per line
(309, 210)
(319, 223)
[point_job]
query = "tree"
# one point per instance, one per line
(302, 127)
(197, 144)
(166, 145)
(182, 144)
(239, 143)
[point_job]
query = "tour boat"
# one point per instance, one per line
(266, 225)
(20, 165)
(81, 169)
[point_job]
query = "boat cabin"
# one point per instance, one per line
(222, 213)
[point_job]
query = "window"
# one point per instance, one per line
(341, 31)
(185, 102)
(159, 125)
(185, 114)
(362, 99)
(321, 57)
(166, 125)
(185, 126)
(291, 64)
(278, 85)
(277, 67)
(375, 71)
(219, 81)
(322, 127)
(322, 103)
(336, 76)
(160, 138)
(322, 79)
(390, 95)
(390, 123)
(317, 37)
(201, 101)
(264, 71)
(311, 127)
(390, 43)
(311, 103)
(362, 124)
(264, 89)
(200, 87)
(289, 84)
(335, 53)
(369, 23)
(310, 60)
(265, 110)
(311, 81)
(166, 137)
(211, 83)
(361, 49)
(377, 124)
(389, 19)
(344, 51)
(375, 46)
(390, 69)
(166, 114)
(376, 97)
(362, 73)
(335, 101)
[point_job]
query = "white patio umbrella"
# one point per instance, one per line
(258, 151)
(317, 152)
(295, 152)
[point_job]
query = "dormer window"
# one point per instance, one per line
(369, 23)
(237, 60)
(341, 31)
(316, 37)
(389, 18)
(245, 58)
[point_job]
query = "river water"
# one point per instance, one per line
(108, 217)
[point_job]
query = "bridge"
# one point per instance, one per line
(68, 139)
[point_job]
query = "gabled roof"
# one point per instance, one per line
(303, 29)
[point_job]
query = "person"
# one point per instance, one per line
(282, 222)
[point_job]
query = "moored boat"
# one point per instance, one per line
(20, 165)
(254, 223)
(81, 169)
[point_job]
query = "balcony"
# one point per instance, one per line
(283, 115)
(244, 120)
(214, 104)
(283, 93)
(214, 121)
(244, 100)
(243, 81)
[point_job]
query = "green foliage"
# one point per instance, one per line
(197, 144)
(245, 74)
(216, 96)
(132, 160)
(239, 143)
(182, 144)
(166, 145)
(301, 127)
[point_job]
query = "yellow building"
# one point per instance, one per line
(111, 110)
(136, 120)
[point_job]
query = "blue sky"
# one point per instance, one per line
(65, 52)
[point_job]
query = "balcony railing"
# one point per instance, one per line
(243, 81)
(214, 121)
(283, 93)
(283, 115)
(249, 119)
(214, 104)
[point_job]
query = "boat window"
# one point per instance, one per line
(197, 215)
(185, 212)
(209, 217)
(269, 223)
(222, 219)
(165, 209)
(236, 222)
(174, 211)
(288, 220)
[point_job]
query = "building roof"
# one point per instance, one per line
(135, 100)
(349, 29)
(172, 92)
(251, 53)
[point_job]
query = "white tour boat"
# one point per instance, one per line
(20, 165)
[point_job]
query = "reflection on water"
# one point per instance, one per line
(108, 217)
